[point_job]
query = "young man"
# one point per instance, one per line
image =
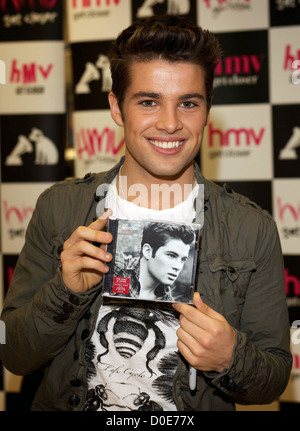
(124, 357)
(165, 248)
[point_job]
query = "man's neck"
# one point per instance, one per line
(148, 191)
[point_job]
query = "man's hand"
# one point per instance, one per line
(205, 338)
(83, 263)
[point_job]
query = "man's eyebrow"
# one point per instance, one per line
(152, 95)
(145, 94)
(173, 252)
(191, 96)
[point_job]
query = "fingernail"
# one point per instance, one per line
(105, 215)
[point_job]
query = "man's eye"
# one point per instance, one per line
(148, 103)
(188, 105)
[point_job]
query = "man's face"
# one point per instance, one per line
(168, 261)
(164, 116)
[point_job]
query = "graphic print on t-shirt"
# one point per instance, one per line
(132, 358)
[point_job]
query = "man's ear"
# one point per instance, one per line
(115, 110)
(147, 251)
(207, 118)
(208, 113)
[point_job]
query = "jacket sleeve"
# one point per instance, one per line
(261, 362)
(40, 313)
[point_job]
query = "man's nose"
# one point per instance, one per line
(177, 265)
(169, 120)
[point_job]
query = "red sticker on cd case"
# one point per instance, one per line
(121, 285)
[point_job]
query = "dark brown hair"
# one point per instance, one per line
(167, 37)
(158, 234)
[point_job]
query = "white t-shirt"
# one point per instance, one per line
(132, 355)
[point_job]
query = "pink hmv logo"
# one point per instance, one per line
(97, 3)
(236, 137)
(18, 4)
(29, 73)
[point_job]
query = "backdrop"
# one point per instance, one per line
(48, 111)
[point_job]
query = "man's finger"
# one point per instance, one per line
(100, 222)
(205, 309)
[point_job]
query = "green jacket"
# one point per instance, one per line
(240, 275)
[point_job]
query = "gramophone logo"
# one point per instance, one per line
(289, 152)
(46, 152)
(92, 73)
(176, 7)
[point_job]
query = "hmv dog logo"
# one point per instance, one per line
(176, 7)
(46, 152)
(289, 152)
(92, 73)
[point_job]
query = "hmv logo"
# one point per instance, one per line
(240, 65)
(18, 4)
(220, 2)
(235, 137)
(288, 210)
(91, 142)
(97, 3)
(29, 73)
(289, 216)
(292, 62)
(292, 284)
(21, 214)
(290, 58)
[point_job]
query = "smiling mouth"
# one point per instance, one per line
(166, 144)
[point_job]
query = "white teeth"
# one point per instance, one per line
(165, 144)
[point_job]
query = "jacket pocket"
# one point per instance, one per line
(224, 283)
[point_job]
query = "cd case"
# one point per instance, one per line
(152, 260)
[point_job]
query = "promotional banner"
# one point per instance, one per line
(251, 142)
(34, 77)
(32, 130)
(98, 141)
(237, 143)
(252, 139)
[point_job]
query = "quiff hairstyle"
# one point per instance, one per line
(158, 234)
(166, 37)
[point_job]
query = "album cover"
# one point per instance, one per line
(152, 260)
